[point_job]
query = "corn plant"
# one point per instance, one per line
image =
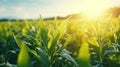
(44, 47)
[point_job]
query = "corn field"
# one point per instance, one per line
(60, 43)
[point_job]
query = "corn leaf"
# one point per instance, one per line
(84, 55)
(23, 57)
(45, 61)
(65, 54)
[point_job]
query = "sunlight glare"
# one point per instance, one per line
(94, 9)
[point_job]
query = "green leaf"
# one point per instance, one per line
(58, 63)
(41, 22)
(44, 36)
(84, 55)
(62, 27)
(19, 43)
(93, 42)
(36, 55)
(68, 40)
(65, 54)
(7, 65)
(23, 57)
(53, 43)
(34, 41)
(43, 33)
(45, 61)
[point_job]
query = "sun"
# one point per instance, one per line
(93, 12)
(94, 9)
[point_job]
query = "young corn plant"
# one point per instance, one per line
(101, 47)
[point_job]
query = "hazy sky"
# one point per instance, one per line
(33, 8)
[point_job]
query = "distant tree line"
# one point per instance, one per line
(114, 12)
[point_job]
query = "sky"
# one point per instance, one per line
(30, 9)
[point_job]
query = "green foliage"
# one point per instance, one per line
(23, 58)
(60, 43)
